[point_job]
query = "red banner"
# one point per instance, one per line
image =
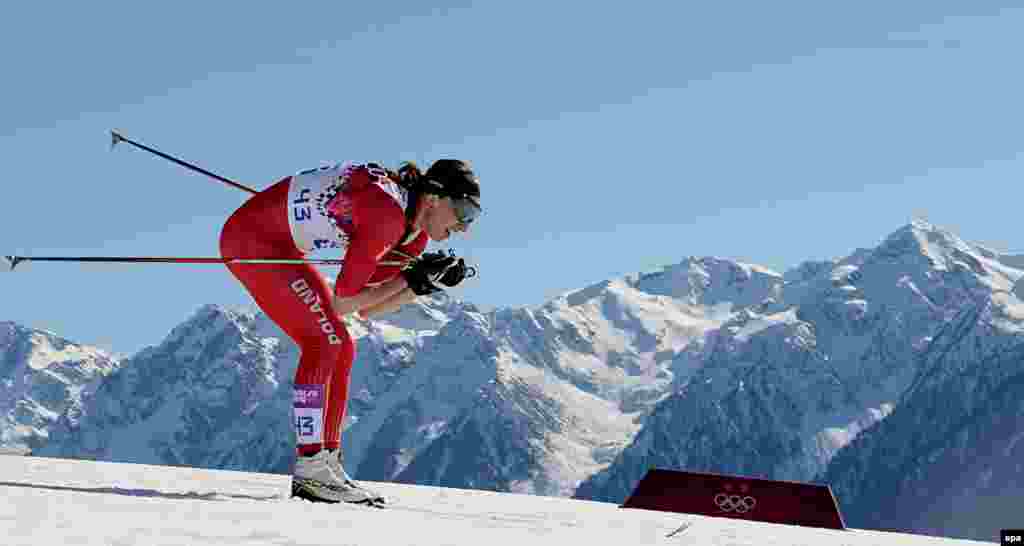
(755, 499)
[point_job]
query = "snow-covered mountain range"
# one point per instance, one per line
(892, 374)
(44, 377)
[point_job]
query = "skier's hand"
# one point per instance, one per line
(423, 274)
(433, 268)
(456, 273)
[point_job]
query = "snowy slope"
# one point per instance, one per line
(50, 501)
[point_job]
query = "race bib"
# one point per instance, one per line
(308, 195)
(308, 403)
(320, 214)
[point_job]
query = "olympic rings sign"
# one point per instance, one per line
(735, 503)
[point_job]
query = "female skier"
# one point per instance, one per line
(380, 220)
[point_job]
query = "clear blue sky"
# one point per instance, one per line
(609, 137)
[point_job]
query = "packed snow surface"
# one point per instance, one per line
(58, 501)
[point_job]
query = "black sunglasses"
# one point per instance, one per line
(467, 210)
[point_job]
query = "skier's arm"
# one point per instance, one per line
(370, 297)
(393, 303)
(378, 223)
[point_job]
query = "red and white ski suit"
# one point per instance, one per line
(351, 207)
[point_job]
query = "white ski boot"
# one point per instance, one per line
(336, 461)
(315, 480)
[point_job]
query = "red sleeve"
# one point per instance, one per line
(377, 224)
(391, 265)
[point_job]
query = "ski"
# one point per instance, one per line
(307, 492)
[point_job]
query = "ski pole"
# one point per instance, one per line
(117, 137)
(13, 261)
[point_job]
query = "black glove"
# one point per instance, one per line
(436, 267)
(423, 273)
(456, 274)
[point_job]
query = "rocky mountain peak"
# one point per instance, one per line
(43, 376)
